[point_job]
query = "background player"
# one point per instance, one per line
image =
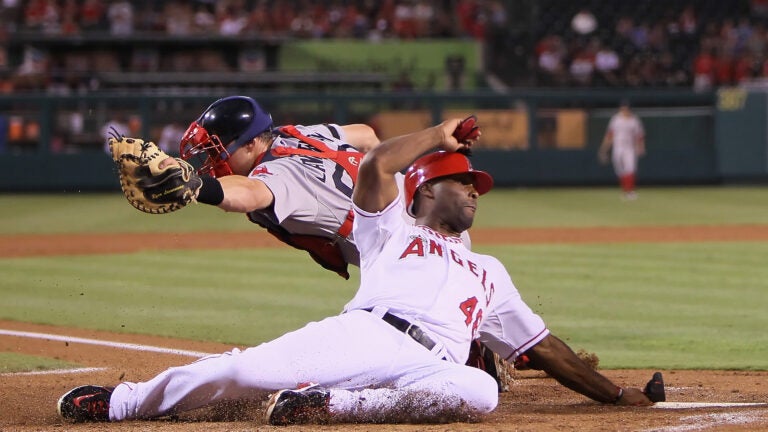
(397, 353)
(625, 138)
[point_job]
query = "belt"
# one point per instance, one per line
(411, 330)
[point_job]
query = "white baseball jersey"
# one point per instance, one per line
(626, 131)
(453, 294)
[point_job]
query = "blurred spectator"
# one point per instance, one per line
(203, 21)
(756, 44)
(672, 75)
(704, 70)
(178, 18)
(607, 64)
(723, 68)
(550, 61)
(584, 22)
(743, 68)
(92, 15)
(170, 137)
(689, 24)
(117, 125)
(232, 20)
(582, 65)
(120, 16)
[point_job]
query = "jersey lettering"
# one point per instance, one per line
(317, 165)
(338, 181)
(435, 248)
(416, 247)
(472, 267)
(468, 308)
(319, 137)
(456, 258)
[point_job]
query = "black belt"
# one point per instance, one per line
(411, 330)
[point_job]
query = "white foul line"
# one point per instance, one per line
(130, 346)
(683, 405)
(55, 372)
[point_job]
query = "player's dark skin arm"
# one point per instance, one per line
(558, 360)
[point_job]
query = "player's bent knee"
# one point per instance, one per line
(479, 390)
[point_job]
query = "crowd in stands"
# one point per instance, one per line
(703, 44)
(587, 43)
(404, 19)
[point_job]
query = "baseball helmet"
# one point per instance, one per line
(225, 126)
(441, 164)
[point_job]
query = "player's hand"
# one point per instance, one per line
(634, 397)
(602, 157)
(450, 141)
(168, 162)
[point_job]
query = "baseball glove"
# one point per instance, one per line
(501, 370)
(148, 187)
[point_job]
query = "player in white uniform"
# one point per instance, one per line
(625, 138)
(397, 352)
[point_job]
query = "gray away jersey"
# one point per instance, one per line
(313, 195)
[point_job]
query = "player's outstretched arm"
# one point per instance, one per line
(558, 360)
(376, 188)
(232, 193)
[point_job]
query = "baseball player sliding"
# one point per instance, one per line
(397, 352)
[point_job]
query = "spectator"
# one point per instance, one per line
(704, 70)
(584, 22)
(92, 15)
(582, 65)
(232, 21)
(117, 125)
(550, 62)
(170, 137)
(607, 65)
(723, 69)
(120, 16)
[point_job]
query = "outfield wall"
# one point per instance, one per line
(531, 138)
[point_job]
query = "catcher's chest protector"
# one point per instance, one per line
(324, 251)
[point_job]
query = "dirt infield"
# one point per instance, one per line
(535, 403)
(61, 244)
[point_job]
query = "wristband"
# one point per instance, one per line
(618, 396)
(211, 191)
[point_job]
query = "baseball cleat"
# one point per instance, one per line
(305, 405)
(654, 389)
(86, 404)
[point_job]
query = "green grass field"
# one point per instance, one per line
(641, 305)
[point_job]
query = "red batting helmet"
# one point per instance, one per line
(441, 164)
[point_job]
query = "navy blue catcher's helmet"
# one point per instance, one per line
(225, 126)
